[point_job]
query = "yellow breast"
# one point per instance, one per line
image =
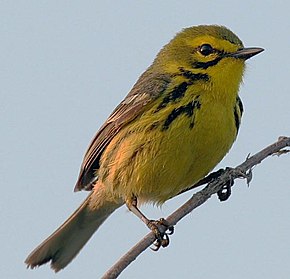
(163, 152)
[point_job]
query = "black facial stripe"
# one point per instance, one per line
(192, 76)
(205, 65)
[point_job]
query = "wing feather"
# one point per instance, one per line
(148, 87)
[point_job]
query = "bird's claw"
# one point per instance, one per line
(164, 242)
(226, 191)
(162, 238)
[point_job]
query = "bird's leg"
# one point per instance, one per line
(162, 239)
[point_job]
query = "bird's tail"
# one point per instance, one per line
(65, 243)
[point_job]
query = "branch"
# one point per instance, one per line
(214, 186)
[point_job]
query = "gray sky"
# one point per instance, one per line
(65, 65)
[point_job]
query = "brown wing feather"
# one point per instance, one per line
(149, 87)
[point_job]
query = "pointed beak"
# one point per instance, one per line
(246, 53)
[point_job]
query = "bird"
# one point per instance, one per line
(175, 125)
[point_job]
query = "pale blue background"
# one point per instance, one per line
(64, 65)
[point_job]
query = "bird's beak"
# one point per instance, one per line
(246, 53)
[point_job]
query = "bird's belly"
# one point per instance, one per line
(157, 164)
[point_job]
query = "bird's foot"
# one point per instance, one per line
(160, 228)
(226, 191)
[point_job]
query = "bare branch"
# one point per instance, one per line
(241, 171)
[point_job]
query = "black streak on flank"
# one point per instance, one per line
(188, 110)
(238, 115)
(240, 104)
(237, 119)
(153, 126)
(177, 93)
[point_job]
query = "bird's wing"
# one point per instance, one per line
(149, 87)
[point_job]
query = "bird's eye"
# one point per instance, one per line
(206, 49)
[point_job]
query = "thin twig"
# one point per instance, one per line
(241, 171)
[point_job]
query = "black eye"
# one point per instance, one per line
(206, 49)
